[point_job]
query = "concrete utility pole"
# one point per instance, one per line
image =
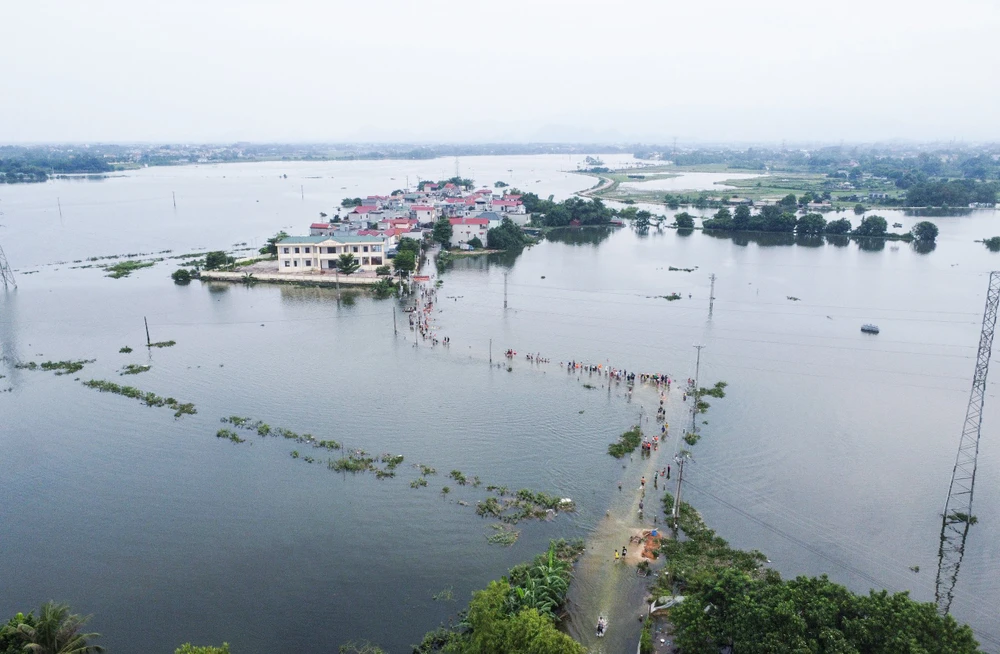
(174, 195)
(505, 291)
(711, 296)
(491, 352)
(59, 204)
(694, 409)
(395, 332)
(676, 513)
(149, 342)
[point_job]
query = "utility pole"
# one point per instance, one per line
(338, 285)
(711, 296)
(174, 195)
(491, 352)
(302, 190)
(149, 342)
(505, 291)
(957, 516)
(395, 332)
(5, 272)
(676, 513)
(694, 409)
(59, 204)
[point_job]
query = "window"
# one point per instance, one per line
(331, 264)
(364, 248)
(354, 248)
(376, 261)
(308, 262)
(307, 252)
(286, 250)
(296, 250)
(364, 261)
(331, 250)
(376, 248)
(288, 264)
(295, 264)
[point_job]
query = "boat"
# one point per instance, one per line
(602, 626)
(897, 225)
(869, 328)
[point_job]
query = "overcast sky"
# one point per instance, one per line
(516, 70)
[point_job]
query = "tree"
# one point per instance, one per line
(271, 247)
(405, 262)
(215, 259)
(925, 230)
(684, 220)
(840, 226)
(859, 209)
(741, 218)
(872, 226)
(408, 244)
(442, 231)
(789, 202)
(475, 243)
(505, 237)
(811, 223)
(642, 220)
(181, 276)
(383, 270)
(55, 631)
(350, 202)
(347, 264)
(10, 641)
(188, 648)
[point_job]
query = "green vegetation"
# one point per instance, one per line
(627, 443)
(517, 613)
(572, 211)
(126, 268)
(347, 264)
(181, 276)
(475, 243)
(442, 232)
(349, 203)
(134, 369)
(230, 434)
(125, 350)
(925, 231)
(60, 367)
(684, 220)
(953, 193)
(363, 647)
(419, 482)
(384, 288)
(507, 236)
(162, 344)
(503, 535)
(992, 243)
(719, 390)
(147, 398)
(54, 631)
(36, 164)
(217, 259)
(405, 262)
(872, 226)
(459, 477)
(383, 270)
(731, 600)
(188, 648)
(670, 298)
(646, 637)
(271, 247)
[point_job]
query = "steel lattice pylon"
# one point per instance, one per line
(957, 516)
(5, 272)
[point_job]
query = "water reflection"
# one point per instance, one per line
(685, 232)
(810, 240)
(838, 240)
(938, 211)
(579, 235)
(871, 244)
(923, 247)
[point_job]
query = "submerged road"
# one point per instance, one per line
(601, 585)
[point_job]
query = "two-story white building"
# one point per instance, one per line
(322, 253)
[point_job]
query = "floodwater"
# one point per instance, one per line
(690, 182)
(831, 453)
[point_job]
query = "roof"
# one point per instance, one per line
(454, 200)
(422, 207)
(468, 221)
(490, 215)
(320, 226)
(506, 203)
(303, 239)
(365, 208)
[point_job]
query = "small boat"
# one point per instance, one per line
(602, 626)
(897, 225)
(869, 328)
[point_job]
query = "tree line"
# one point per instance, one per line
(776, 218)
(37, 167)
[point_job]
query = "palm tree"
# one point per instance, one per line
(56, 631)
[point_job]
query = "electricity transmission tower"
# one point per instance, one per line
(957, 517)
(5, 272)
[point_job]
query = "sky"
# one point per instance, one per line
(487, 71)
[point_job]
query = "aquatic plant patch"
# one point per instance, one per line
(59, 367)
(147, 398)
(627, 443)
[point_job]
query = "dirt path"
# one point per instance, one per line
(606, 183)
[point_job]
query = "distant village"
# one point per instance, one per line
(372, 229)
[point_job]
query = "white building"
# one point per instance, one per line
(464, 230)
(321, 253)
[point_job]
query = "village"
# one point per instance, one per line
(373, 227)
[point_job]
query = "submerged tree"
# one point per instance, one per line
(347, 264)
